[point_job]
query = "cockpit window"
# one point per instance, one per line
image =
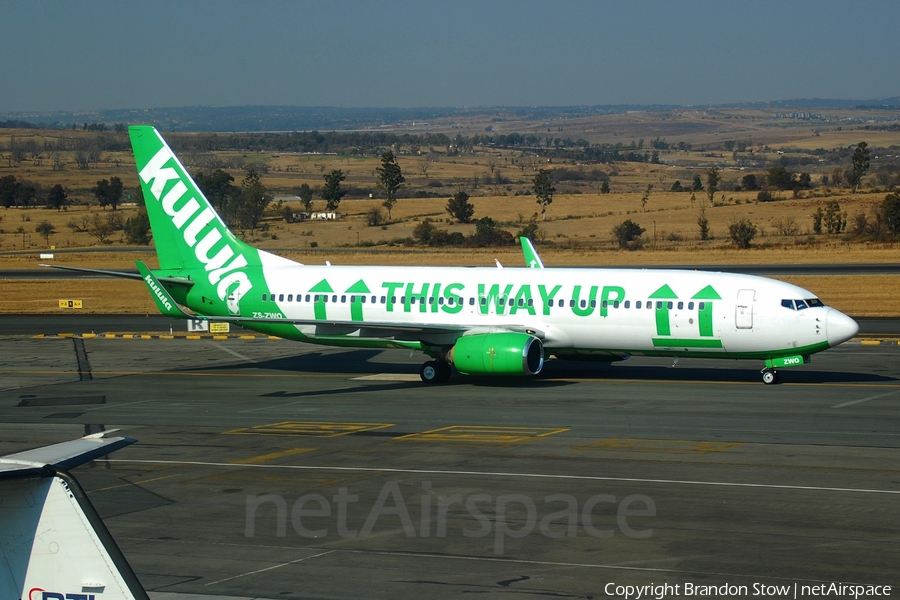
(802, 304)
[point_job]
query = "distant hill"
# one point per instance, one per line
(328, 118)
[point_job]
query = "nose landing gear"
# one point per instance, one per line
(770, 376)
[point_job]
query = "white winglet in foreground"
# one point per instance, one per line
(53, 544)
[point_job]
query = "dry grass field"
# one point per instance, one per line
(577, 230)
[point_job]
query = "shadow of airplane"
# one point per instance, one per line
(362, 362)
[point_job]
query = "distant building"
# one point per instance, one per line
(317, 216)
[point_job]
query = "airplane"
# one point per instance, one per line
(53, 544)
(481, 321)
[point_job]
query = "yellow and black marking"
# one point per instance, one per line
(321, 429)
(668, 446)
(483, 434)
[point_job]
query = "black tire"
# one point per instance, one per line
(430, 372)
(444, 371)
(770, 376)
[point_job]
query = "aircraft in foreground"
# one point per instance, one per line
(482, 321)
(53, 544)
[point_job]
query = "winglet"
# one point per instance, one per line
(160, 294)
(532, 260)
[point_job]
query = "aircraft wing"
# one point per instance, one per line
(123, 274)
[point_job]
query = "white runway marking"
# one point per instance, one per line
(278, 566)
(861, 400)
(506, 474)
(388, 377)
(232, 352)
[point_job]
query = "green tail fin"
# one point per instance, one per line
(191, 239)
(164, 302)
(187, 231)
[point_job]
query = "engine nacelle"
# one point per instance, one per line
(501, 353)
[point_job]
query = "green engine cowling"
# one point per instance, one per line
(502, 353)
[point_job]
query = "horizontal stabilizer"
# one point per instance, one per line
(123, 274)
(65, 455)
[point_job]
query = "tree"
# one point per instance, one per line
(57, 197)
(703, 224)
(713, 177)
(889, 213)
(9, 190)
(818, 217)
(697, 185)
(46, 229)
(779, 178)
(749, 182)
(424, 231)
(837, 176)
(460, 208)
(306, 195)
(742, 232)
(137, 229)
(676, 187)
(543, 190)
(390, 178)
(114, 192)
(628, 234)
(604, 187)
(332, 192)
(646, 196)
(101, 193)
(860, 163)
(219, 190)
(27, 194)
(254, 200)
(101, 228)
(488, 234)
(834, 220)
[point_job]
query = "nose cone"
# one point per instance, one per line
(839, 327)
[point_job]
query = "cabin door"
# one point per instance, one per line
(743, 311)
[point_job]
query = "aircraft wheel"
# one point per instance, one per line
(430, 372)
(770, 376)
(443, 371)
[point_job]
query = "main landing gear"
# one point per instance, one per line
(434, 371)
(770, 376)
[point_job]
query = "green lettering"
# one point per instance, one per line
(409, 296)
(391, 287)
(590, 304)
(606, 297)
(450, 292)
(493, 295)
(546, 298)
(523, 294)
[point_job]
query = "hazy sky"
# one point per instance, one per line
(64, 55)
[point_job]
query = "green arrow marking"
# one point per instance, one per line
(707, 293)
(664, 293)
(356, 309)
(319, 305)
(705, 315)
(662, 313)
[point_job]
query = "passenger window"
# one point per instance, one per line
(583, 304)
(484, 301)
(290, 297)
(530, 302)
(593, 304)
(472, 301)
(263, 297)
(628, 304)
(649, 304)
(324, 297)
(362, 299)
(384, 299)
(680, 305)
(669, 305)
(701, 306)
(616, 304)
(658, 305)
(571, 303)
(334, 298)
(637, 304)
(440, 300)
(690, 306)
(307, 298)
